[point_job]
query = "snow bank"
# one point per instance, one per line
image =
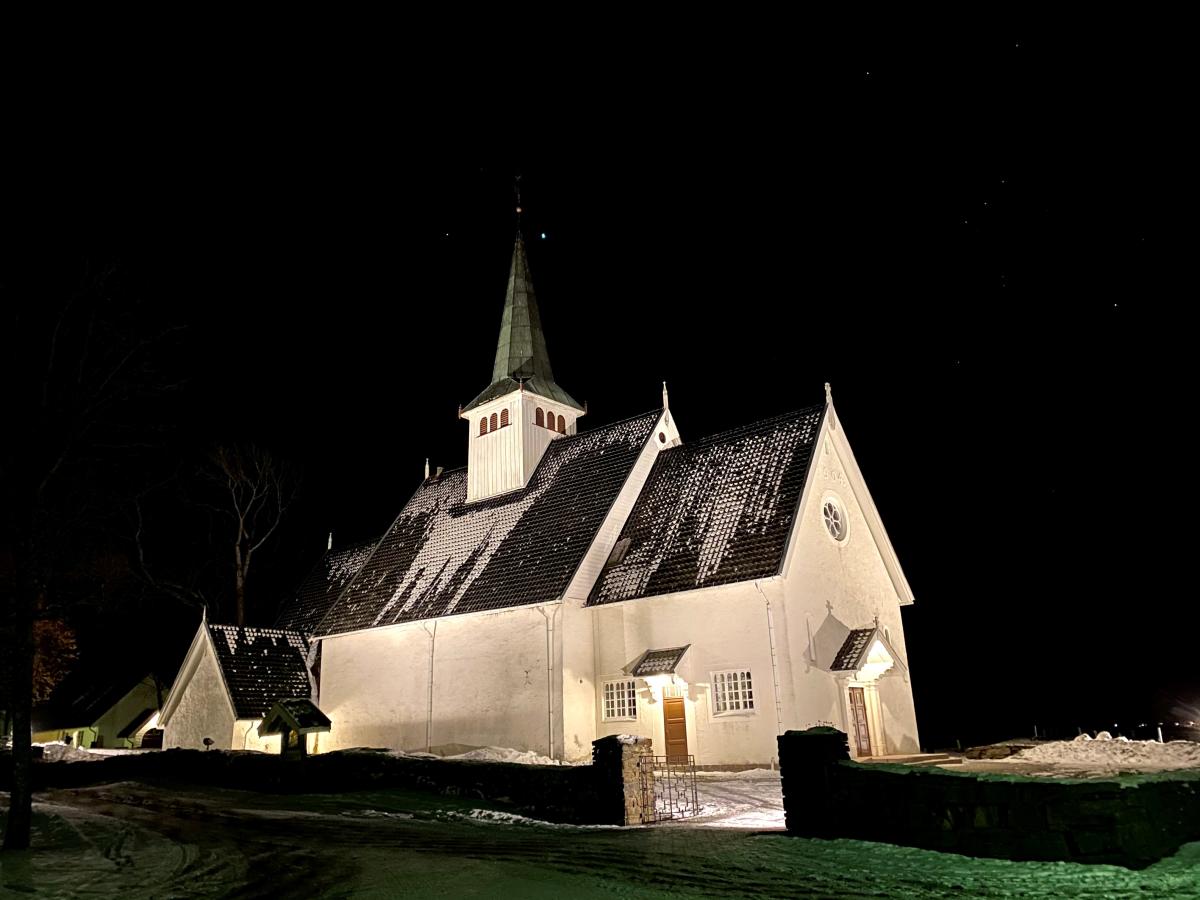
(57, 751)
(1116, 756)
(506, 754)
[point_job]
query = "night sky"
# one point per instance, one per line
(974, 247)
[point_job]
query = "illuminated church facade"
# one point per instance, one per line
(572, 583)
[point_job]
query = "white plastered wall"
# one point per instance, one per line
(831, 587)
(727, 628)
(203, 708)
(578, 636)
(491, 683)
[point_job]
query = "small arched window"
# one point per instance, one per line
(504, 418)
(483, 426)
(539, 418)
(493, 424)
(562, 425)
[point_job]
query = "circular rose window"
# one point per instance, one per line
(835, 519)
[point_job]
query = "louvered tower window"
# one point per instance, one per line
(539, 418)
(483, 426)
(504, 418)
(492, 424)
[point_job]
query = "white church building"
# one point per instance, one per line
(573, 583)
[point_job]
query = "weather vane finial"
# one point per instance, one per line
(517, 190)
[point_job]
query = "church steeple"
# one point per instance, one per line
(521, 355)
(516, 417)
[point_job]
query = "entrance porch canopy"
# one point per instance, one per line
(866, 654)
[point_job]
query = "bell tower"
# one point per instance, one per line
(514, 419)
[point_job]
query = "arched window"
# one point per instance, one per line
(539, 418)
(504, 418)
(493, 422)
(562, 425)
(483, 426)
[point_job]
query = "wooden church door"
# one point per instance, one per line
(675, 729)
(858, 712)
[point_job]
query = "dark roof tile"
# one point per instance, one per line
(854, 648)
(320, 589)
(444, 556)
(715, 511)
(659, 662)
(261, 666)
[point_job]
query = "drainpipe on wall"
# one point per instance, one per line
(774, 662)
(549, 678)
(429, 708)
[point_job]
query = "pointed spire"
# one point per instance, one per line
(666, 403)
(329, 543)
(521, 356)
(427, 468)
(828, 394)
(521, 351)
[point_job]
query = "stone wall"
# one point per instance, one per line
(1133, 822)
(608, 792)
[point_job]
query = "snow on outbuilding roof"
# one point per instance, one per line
(444, 556)
(261, 666)
(320, 589)
(715, 511)
(297, 714)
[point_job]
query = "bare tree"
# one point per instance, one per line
(256, 490)
(78, 361)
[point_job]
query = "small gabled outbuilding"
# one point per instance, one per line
(291, 719)
(231, 678)
(100, 713)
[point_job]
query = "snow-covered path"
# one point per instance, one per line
(136, 841)
(750, 799)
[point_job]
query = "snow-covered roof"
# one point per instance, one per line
(444, 556)
(853, 650)
(715, 511)
(298, 714)
(261, 666)
(659, 662)
(317, 592)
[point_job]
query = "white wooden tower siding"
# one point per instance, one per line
(567, 585)
(514, 419)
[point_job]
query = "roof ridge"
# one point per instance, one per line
(730, 432)
(600, 428)
(257, 628)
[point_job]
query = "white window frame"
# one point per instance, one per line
(627, 688)
(741, 682)
(842, 518)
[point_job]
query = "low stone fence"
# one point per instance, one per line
(1133, 823)
(608, 792)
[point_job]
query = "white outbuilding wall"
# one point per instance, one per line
(203, 709)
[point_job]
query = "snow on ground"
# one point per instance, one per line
(750, 799)
(1113, 757)
(506, 754)
(139, 841)
(57, 751)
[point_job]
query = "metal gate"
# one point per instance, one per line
(669, 786)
